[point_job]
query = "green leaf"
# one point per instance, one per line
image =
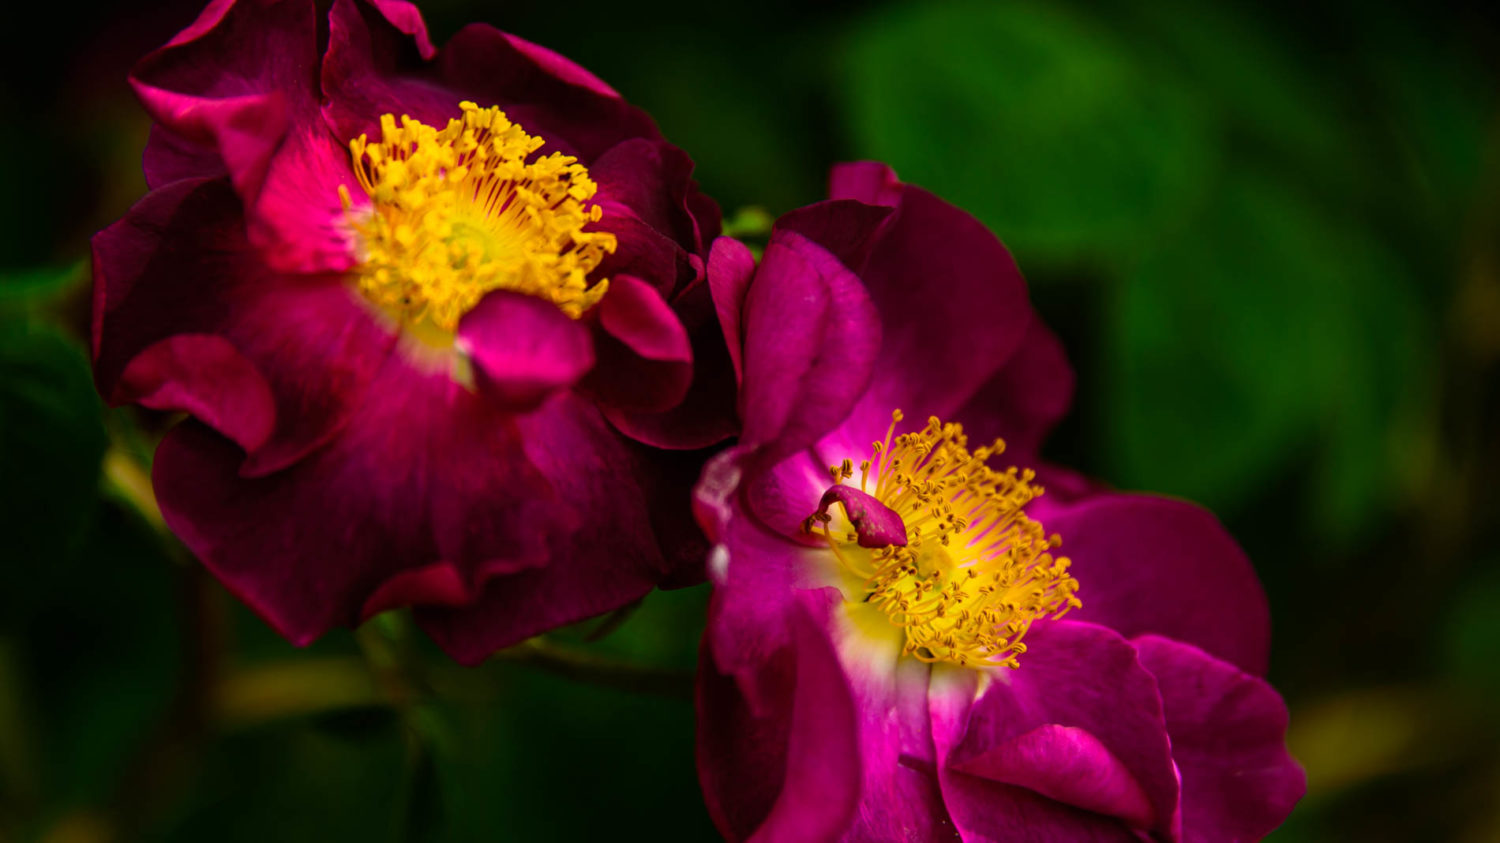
(19, 288)
(1471, 634)
(1045, 128)
(51, 443)
(1266, 333)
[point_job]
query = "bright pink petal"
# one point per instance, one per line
(1228, 733)
(778, 755)
(987, 811)
(1154, 565)
(899, 798)
(523, 348)
(1079, 722)
(645, 358)
(810, 338)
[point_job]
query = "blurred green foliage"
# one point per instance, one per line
(1269, 236)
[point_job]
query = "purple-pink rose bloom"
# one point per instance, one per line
(897, 646)
(429, 313)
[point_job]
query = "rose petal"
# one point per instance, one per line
(604, 555)
(524, 349)
(730, 268)
(1149, 564)
(786, 769)
(1025, 399)
(1228, 733)
(1085, 679)
(811, 335)
(179, 263)
(953, 310)
(870, 182)
(706, 414)
(986, 811)
(644, 356)
(425, 472)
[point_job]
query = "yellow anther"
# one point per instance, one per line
(457, 212)
(976, 571)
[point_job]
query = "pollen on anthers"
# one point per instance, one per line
(975, 571)
(455, 213)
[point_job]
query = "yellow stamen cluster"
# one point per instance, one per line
(975, 572)
(458, 212)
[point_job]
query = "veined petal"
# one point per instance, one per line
(1228, 733)
(1079, 722)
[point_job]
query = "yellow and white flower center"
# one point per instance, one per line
(458, 212)
(975, 571)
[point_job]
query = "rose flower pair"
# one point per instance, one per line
(448, 326)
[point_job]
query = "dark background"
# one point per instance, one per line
(1266, 232)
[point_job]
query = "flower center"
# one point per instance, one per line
(456, 213)
(974, 571)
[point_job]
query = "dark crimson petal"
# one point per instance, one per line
(523, 348)
(849, 230)
(706, 415)
(876, 524)
(1022, 402)
(781, 760)
(485, 65)
(1147, 564)
(643, 252)
(171, 157)
(708, 219)
(424, 473)
(643, 353)
(870, 182)
(730, 268)
(605, 556)
(242, 83)
(953, 310)
(234, 81)
(407, 19)
(1080, 721)
(204, 376)
(811, 335)
(561, 67)
(1228, 733)
(648, 179)
(373, 67)
(179, 264)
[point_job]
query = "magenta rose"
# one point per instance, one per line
(908, 639)
(425, 309)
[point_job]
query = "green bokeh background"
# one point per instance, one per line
(1269, 235)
